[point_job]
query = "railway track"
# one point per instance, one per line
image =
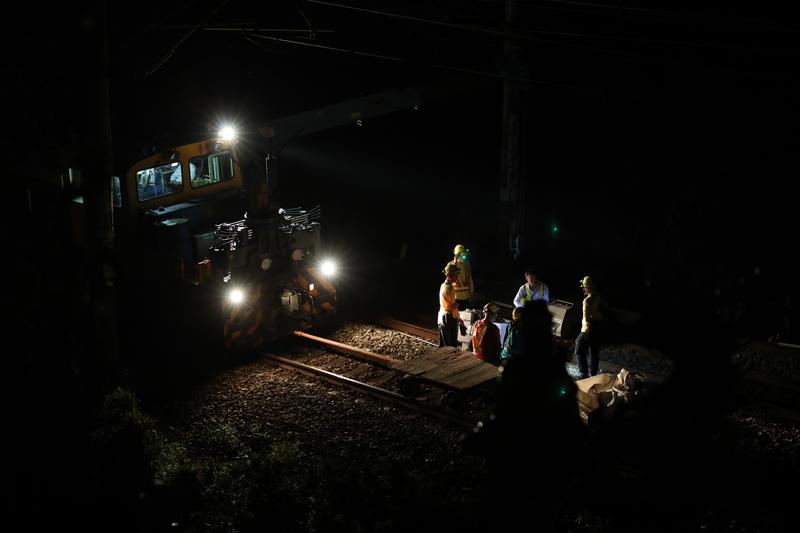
(382, 394)
(775, 394)
(411, 396)
(767, 393)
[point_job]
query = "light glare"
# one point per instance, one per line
(236, 296)
(227, 133)
(328, 268)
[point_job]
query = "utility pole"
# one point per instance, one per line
(96, 156)
(511, 187)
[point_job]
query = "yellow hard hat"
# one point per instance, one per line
(459, 249)
(516, 314)
(587, 282)
(490, 308)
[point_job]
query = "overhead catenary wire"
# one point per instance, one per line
(498, 33)
(171, 51)
(438, 66)
(249, 28)
(531, 34)
(155, 25)
(308, 22)
(478, 29)
(618, 53)
(561, 39)
(331, 48)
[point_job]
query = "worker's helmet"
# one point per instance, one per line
(460, 249)
(490, 308)
(587, 282)
(516, 314)
(451, 269)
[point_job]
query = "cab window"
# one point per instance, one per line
(159, 181)
(213, 168)
(115, 191)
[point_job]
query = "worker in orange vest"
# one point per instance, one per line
(449, 319)
(486, 336)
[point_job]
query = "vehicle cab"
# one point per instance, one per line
(173, 199)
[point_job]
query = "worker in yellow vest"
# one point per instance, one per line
(594, 308)
(533, 289)
(463, 284)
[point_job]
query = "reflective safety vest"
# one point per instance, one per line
(447, 300)
(529, 295)
(490, 350)
(463, 283)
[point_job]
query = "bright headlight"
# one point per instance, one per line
(227, 133)
(328, 268)
(235, 296)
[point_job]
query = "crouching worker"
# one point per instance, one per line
(512, 345)
(449, 319)
(486, 336)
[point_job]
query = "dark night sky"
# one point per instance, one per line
(661, 139)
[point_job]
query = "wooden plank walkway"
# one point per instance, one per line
(449, 367)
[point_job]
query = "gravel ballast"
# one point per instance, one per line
(379, 468)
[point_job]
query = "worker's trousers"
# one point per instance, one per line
(586, 344)
(448, 331)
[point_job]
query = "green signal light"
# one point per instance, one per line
(554, 229)
(562, 391)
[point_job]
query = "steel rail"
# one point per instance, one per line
(376, 392)
(350, 350)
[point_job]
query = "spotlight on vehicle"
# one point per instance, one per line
(328, 268)
(235, 296)
(227, 133)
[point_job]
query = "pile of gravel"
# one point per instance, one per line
(769, 358)
(380, 340)
(636, 357)
(766, 440)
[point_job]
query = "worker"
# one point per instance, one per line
(533, 289)
(449, 320)
(512, 344)
(463, 285)
(532, 432)
(587, 341)
(486, 336)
